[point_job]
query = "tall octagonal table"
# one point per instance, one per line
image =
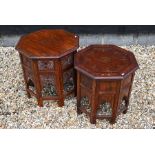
(47, 58)
(104, 79)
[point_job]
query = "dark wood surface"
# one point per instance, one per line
(47, 59)
(105, 75)
(105, 62)
(48, 44)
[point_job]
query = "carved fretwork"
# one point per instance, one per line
(31, 86)
(123, 104)
(67, 61)
(85, 103)
(48, 85)
(104, 109)
(105, 105)
(46, 65)
(68, 80)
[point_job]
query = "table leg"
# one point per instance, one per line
(128, 97)
(59, 83)
(78, 93)
(37, 83)
(25, 77)
(116, 104)
(93, 104)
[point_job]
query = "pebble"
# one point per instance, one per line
(17, 111)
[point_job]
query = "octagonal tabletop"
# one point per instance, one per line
(105, 62)
(48, 44)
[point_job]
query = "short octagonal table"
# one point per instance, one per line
(104, 79)
(47, 60)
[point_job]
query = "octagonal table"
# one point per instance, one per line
(47, 60)
(105, 75)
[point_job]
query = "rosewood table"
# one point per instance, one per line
(47, 58)
(105, 75)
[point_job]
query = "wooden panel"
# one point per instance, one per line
(125, 91)
(45, 65)
(85, 92)
(48, 84)
(127, 81)
(86, 81)
(68, 81)
(105, 104)
(107, 86)
(67, 61)
(26, 61)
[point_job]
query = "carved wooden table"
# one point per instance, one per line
(47, 58)
(104, 79)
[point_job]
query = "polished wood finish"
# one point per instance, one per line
(105, 75)
(47, 58)
(48, 44)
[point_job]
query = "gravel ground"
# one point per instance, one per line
(17, 111)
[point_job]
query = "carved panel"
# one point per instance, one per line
(105, 105)
(67, 61)
(48, 85)
(85, 103)
(26, 61)
(28, 73)
(45, 65)
(104, 109)
(31, 85)
(86, 81)
(125, 91)
(122, 106)
(108, 86)
(127, 81)
(68, 80)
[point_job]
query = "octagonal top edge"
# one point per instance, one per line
(48, 43)
(106, 61)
